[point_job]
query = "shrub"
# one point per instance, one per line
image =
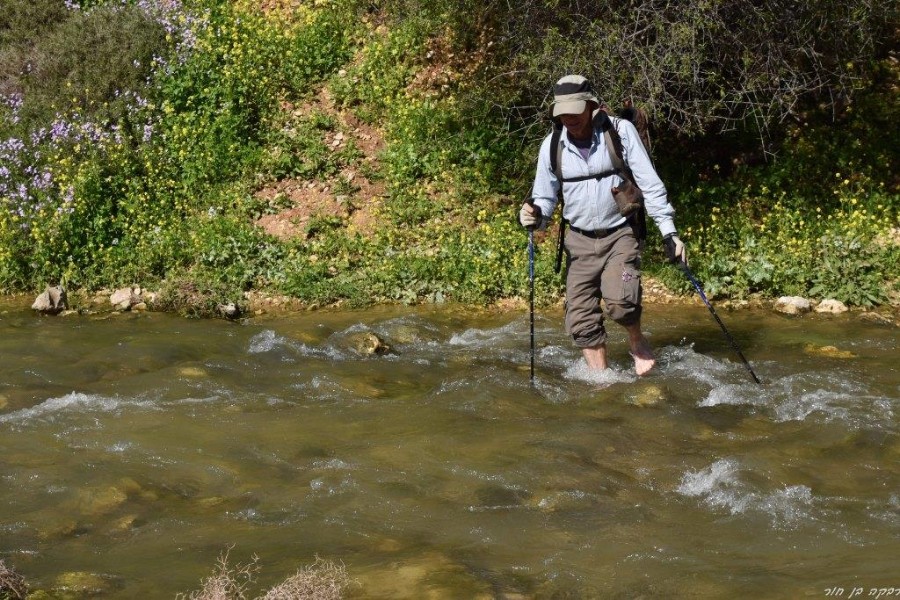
(80, 59)
(322, 580)
(12, 585)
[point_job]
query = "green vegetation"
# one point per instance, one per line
(139, 142)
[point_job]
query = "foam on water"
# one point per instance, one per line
(74, 401)
(333, 464)
(684, 361)
(580, 371)
(268, 341)
(887, 512)
(721, 487)
(265, 341)
(820, 395)
(730, 393)
(482, 338)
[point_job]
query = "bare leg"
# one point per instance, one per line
(641, 351)
(595, 357)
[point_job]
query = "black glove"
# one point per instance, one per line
(675, 250)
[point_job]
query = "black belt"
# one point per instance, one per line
(598, 233)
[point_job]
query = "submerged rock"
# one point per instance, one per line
(192, 372)
(432, 575)
(101, 501)
(827, 351)
(877, 318)
(563, 500)
(650, 395)
(123, 524)
(56, 529)
(82, 583)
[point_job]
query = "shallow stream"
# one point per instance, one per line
(136, 449)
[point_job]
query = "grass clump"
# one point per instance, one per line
(321, 580)
(12, 584)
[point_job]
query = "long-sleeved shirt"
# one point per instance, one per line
(589, 204)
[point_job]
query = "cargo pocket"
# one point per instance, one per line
(631, 286)
(625, 309)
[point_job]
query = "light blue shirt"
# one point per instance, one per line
(589, 204)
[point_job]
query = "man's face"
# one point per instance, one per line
(579, 126)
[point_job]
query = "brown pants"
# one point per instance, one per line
(608, 268)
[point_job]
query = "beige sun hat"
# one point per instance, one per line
(571, 95)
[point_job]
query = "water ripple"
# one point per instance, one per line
(720, 486)
(74, 401)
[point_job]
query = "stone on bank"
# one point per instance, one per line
(52, 302)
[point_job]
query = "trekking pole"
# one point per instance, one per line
(683, 266)
(531, 290)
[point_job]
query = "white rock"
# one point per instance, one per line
(125, 298)
(53, 301)
(229, 311)
(792, 305)
(831, 306)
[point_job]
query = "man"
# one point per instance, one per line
(602, 249)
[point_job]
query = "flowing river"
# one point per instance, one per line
(136, 449)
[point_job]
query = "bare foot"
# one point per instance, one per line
(642, 364)
(642, 355)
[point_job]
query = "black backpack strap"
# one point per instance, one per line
(599, 175)
(556, 149)
(556, 152)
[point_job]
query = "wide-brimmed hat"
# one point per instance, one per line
(571, 95)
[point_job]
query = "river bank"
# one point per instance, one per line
(257, 303)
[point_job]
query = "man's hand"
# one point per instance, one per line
(675, 250)
(530, 216)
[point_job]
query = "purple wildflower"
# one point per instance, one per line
(42, 181)
(60, 130)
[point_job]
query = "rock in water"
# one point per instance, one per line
(368, 343)
(827, 351)
(53, 301)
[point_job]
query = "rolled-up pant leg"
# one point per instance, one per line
(609, 268)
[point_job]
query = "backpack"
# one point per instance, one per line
(629, 112)
(638, 219)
